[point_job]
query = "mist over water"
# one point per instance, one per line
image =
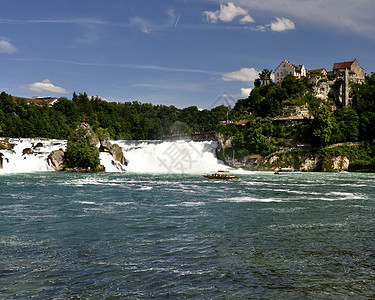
(142, 236)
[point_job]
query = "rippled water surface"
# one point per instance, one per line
(129, 236)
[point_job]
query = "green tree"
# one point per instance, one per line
(322, 127)
(258, 143)
(292, 85)
(81, 149)
(179, 127)
(348, 122)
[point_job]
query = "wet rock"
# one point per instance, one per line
(6, 145)
(117, 153)
(27, 151)
(115, 150)
(38, 145)
(57, 160)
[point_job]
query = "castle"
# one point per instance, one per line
(343, 72)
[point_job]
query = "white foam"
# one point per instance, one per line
(159, 157)
(250, 199)
(171, 157)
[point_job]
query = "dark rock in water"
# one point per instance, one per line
(27, 151)
(1, 160)
(57, 160)
(6, 145)
(105, 146)
(38, 145)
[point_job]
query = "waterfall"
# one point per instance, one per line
(171, 157)
(28, 155)
(31, 155)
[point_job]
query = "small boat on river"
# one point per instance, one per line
(223, 175)
(287, 171)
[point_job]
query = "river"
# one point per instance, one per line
(141, 236)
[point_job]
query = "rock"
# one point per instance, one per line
(57, 160)
(101, 168)
(309, 164)
(38, 145)
(6, 145)
(27, 151)
(1, 160)
(116, 152)
(105, 146)
(104, 137)
(273, 159)
(340, 163)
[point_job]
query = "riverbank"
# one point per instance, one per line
(352, 157)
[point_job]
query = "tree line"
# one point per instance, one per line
(129, 120)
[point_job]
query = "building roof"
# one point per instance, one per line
(322, 70)
(297, 68)
(38, 100)
(342, 65)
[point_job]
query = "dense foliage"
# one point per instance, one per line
(130, 120)
(82, 150)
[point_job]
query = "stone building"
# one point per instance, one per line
(355, 72)
(286, 68)
(317, 74)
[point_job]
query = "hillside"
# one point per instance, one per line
(293, 116)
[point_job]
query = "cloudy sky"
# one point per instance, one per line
(173, 52)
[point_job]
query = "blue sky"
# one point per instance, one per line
(173, 52)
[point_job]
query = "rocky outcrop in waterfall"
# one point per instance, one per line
(114, 149)
(57, 160)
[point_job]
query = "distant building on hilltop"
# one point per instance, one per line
(286, 68)
(355, 72)
(345, 72)
(39, 100)
(317, 73)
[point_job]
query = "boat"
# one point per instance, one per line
(287, 171)
(223, 175)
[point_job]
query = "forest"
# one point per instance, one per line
(129, 120)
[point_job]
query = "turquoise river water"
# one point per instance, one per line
(138, 236)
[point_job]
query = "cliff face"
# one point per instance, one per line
(333, 89)
(295, 160)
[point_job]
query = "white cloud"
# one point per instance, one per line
(141, 24)
(247, 19)
(282, 24)
(228, 14)
(245, 74)
(245, 92)
(46, 86)
(6, 47)
(348, 15)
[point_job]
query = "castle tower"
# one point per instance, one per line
(345, 89)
